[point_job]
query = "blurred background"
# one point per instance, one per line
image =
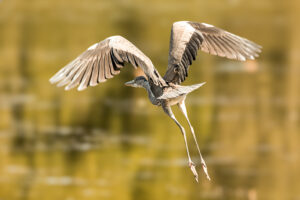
(109, 142)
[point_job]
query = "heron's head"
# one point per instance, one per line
(139, 81)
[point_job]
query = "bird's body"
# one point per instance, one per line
(173, 101)
(105, 59)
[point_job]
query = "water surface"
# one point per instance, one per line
(109, 142)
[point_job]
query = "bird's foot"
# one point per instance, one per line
(205, 168)
(193, 169)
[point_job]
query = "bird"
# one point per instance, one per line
(104, 60)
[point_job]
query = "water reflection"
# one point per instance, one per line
(109, 142)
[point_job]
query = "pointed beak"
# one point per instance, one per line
(130, 83)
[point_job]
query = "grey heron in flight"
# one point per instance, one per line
(105, 59)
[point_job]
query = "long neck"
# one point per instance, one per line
(151, 96)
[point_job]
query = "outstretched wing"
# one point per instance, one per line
(103, 61)
(187, 37)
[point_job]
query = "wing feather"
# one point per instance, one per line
(86, 77)
(101, 68)
(94, 78)
(76, 79)
(103, 61)
(188, 37)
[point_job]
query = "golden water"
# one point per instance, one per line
(109, 142)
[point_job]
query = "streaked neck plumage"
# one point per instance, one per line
(151, 96)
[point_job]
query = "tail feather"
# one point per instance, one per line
(180, 90)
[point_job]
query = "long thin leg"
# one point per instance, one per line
(169, 112)
(182, 107)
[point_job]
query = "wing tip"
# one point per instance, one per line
(242, 58)
(93, 84)
(53, 79)
(81, 88)
(70, 86)
(67, 88)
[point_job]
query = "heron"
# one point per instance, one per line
(104, 60)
